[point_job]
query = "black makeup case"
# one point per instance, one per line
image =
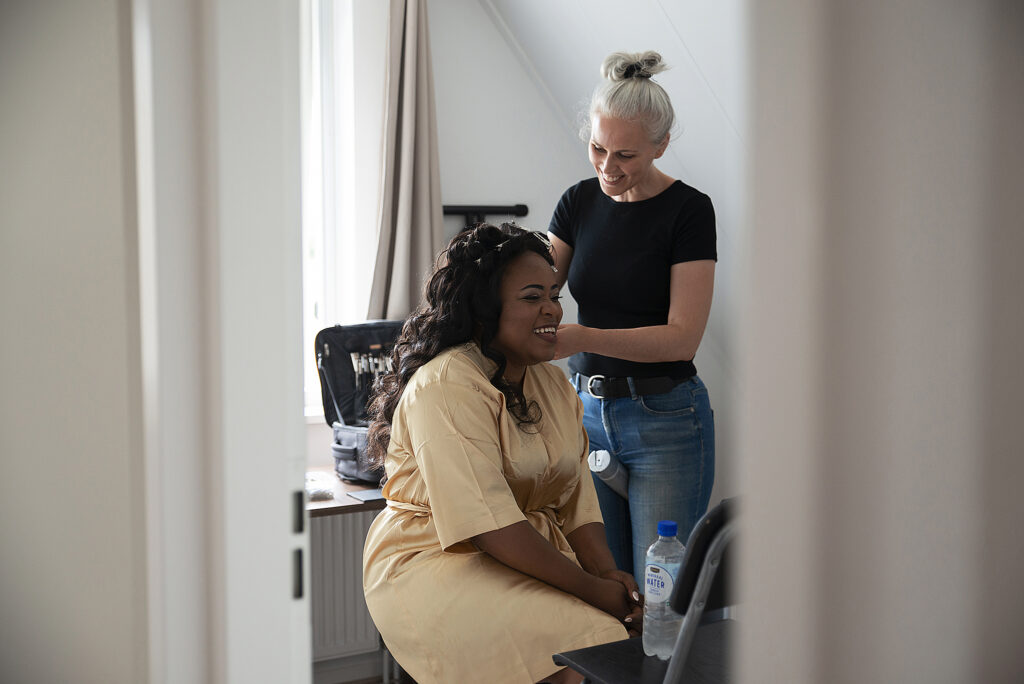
(349, 358)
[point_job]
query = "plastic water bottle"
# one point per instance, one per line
(661, 623)
(610, 470)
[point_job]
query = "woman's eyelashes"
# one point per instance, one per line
(620, 155)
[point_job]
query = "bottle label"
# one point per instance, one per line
(658, 581)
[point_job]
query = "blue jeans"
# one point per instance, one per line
(667, 442)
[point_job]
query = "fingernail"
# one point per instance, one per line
(636, 596)
(629, 619)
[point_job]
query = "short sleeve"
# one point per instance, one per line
(582, 506)
(562, 226)
(454, 435)
(695, 235)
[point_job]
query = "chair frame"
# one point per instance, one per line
(694, 615)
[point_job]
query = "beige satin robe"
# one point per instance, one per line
(458, 465)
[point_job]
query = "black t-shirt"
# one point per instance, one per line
(622, 256)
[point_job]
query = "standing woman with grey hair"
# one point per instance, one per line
(638, 249)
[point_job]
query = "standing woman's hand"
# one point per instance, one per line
(569, 340)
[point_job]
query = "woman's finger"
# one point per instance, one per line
(629, 582)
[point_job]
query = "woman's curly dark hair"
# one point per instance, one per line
(462, 304)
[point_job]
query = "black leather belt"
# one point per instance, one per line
(615, 388)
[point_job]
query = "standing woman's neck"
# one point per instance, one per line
(654, 184)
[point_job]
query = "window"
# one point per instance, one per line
(343, 115)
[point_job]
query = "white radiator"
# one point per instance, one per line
(341, 623)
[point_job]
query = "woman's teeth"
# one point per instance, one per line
(541, 331)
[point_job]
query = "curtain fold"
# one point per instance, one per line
(410, 221)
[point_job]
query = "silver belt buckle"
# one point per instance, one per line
(590, 385)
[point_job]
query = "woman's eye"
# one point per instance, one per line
(626, 156)
(556, 298)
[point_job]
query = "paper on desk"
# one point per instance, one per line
(367, 494)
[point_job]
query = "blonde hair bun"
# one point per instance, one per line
(620, 66)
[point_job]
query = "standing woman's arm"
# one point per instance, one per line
(691, 286)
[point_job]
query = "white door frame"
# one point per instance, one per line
(217, 110)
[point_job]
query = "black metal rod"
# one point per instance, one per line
(475, 213)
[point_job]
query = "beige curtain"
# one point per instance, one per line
(410, 224)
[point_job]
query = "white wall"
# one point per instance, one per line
(501, 140)
(513, 76)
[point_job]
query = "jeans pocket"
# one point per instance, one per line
(676, 402)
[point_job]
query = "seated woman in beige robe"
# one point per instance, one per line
(490, 555)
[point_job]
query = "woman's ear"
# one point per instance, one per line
(662, 147)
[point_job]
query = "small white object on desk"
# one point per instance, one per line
(320, 485)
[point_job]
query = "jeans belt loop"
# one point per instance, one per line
(590, 385)
(632, 387)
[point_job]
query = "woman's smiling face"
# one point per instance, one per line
(623, 157)
(530, 314)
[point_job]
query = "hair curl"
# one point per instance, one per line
(627, 92)
(462, 303)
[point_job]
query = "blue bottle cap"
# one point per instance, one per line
(667, 528)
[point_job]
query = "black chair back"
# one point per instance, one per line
(696, 549)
